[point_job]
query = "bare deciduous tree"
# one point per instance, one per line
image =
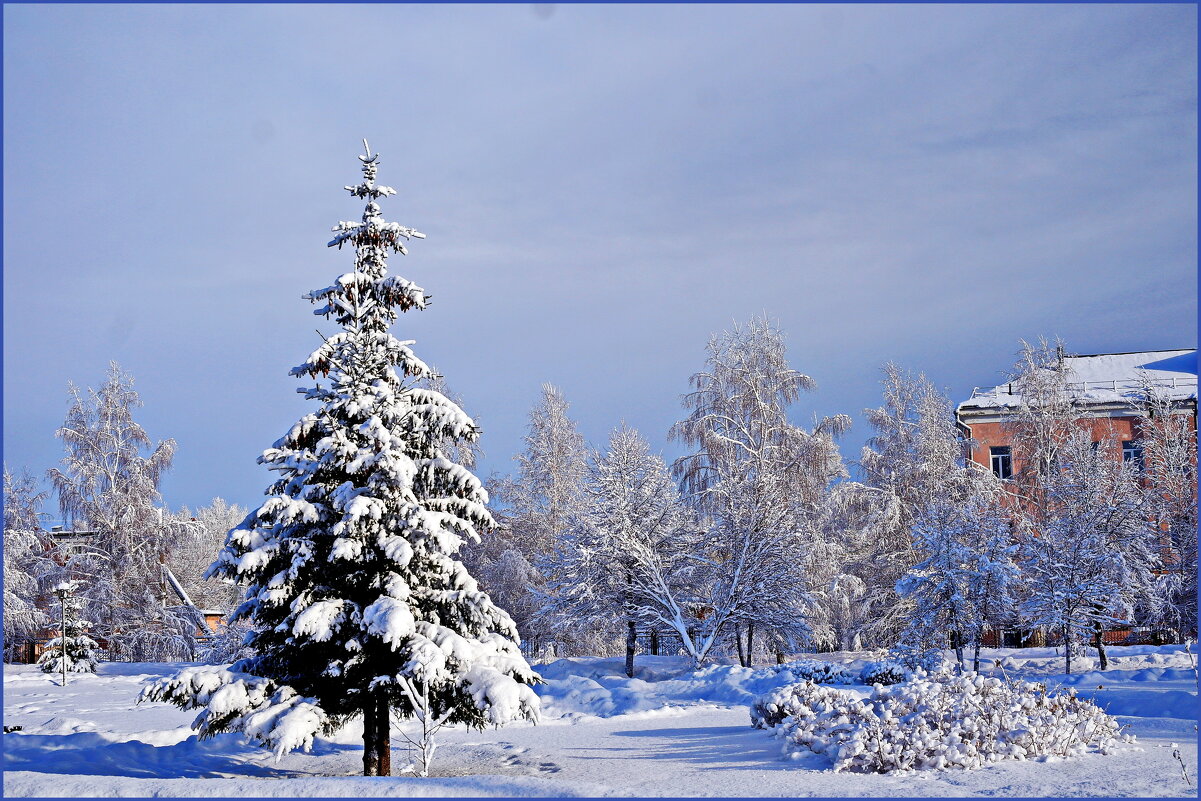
(1169, 444)
(754, 476)
(628, 556)
(107, 486)
(194, 540)
(26, 560)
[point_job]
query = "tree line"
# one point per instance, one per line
(757, 540)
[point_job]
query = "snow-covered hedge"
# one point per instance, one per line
(818, 672)
(946, 722)
(770, 709)
(884, 671)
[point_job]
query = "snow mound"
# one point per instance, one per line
(945, 722)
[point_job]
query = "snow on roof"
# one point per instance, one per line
(1109, 378)
(175, 585)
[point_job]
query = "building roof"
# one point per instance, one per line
(1109, 378)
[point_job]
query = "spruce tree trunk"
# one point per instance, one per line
(750, 643)
(383, 735)
(957, 642)
(654, 642)
(370, 754)
(779, 657)
(976, 653)
(1099, 644)
(631, 644)
(738, 642)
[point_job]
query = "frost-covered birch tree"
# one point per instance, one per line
(108, 484)
(962, 582)
(752, 476)
(843, 535)
(26, 560)
(1042, 424)
(995, 578)
(193, 538)
(550, 474)
(1169, 444)
(360, 606)
(628, 555)
(535, 511)
(1089, 549)
(938, 585)
(1092, 559)
(915, 460)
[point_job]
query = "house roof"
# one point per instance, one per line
(1108, 378)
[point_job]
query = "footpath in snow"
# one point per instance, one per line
(668, 731)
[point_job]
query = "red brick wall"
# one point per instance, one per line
(987, 435)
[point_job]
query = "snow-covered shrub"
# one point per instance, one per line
(884, 671)
(819, 672)
(950, 721)
(770, 709)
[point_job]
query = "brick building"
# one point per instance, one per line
(1105, 391)
(71, 541)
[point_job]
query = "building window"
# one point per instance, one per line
(1001, 461)
(1132, 452)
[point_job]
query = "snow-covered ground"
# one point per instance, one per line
(666, 732)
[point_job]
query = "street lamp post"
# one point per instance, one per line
(61, 591)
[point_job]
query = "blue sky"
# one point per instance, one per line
(601, 186)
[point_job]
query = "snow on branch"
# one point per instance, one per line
(271, 715)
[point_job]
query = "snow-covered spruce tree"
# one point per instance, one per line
(107, 486)
(628, 553)
(754, 476)
(72, 651)
(26, 560)
(360, 604)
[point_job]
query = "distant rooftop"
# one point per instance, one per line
(1109, 378)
